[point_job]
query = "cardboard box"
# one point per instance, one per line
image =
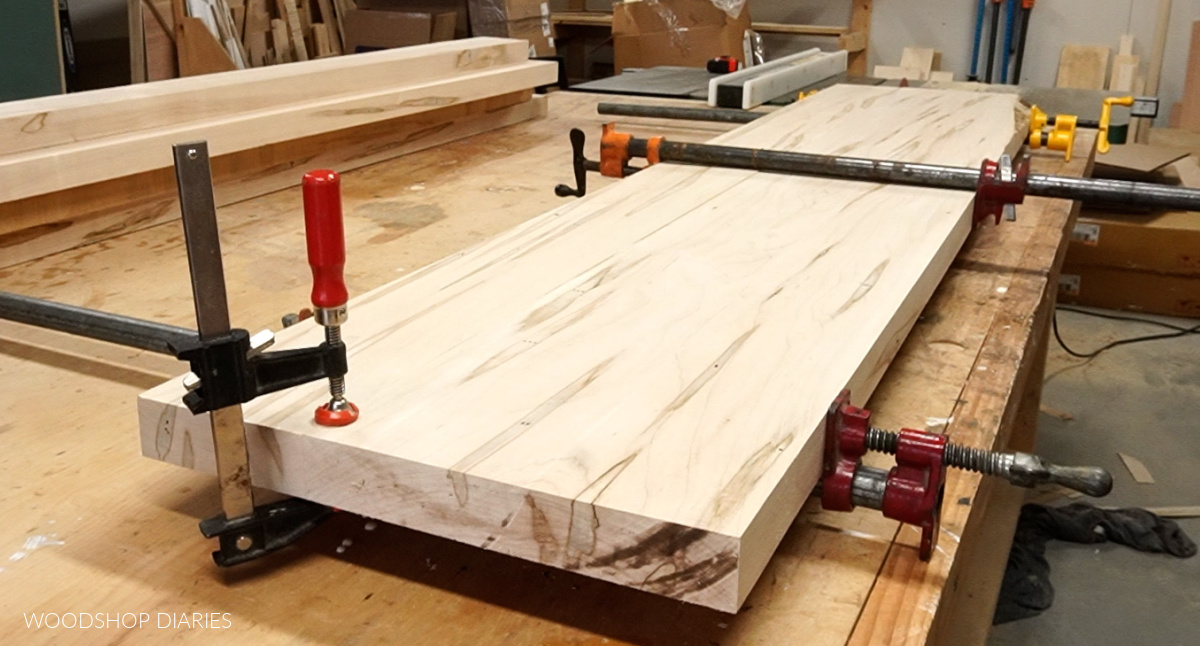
(462, 28)
(368, 29)
(684, 33)
(526, 19)
(1167, 243)
(1137, 291)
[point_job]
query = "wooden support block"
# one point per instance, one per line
(51, 223)
(1083, 67)
(855, 41)
(941, 76)
(635, 368)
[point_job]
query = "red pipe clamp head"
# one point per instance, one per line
(911, 492)
(1001, 186)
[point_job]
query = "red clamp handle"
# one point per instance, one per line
(1000, 184)
(326, 237)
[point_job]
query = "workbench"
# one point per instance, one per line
(95, 528)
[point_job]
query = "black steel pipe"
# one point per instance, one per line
(94, 324)
(873, 170)
(722, 115)
(1020, 58)
(1109, 191)
(993, 33)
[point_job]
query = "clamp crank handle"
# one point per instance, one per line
(579, 162)
(1030, 470)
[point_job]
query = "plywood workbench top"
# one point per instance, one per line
(95, 528)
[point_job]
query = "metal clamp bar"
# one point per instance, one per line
(94, 324)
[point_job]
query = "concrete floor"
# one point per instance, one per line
(1142, 400)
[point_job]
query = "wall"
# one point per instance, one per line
(948, 26)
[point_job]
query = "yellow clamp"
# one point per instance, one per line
(804, 95)
(1102, 144)
(1061, 137)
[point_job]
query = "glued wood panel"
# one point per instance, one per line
(629, 386)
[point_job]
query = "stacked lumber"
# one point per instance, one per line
(630, 386)
(192, 37)
(86, 166)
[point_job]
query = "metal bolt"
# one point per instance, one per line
(244, 543)
(192, 154)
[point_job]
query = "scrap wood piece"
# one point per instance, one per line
(282, 41)
(1192, 511)
(1137, 469)
(590, 386)
(287, 11)
(922, 59)
(331, 20)
(198, 51)
(1083, 67)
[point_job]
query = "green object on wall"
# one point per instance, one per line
(29, 52)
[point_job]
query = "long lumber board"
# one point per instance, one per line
(72, 118)
(630, 386)
(54, 222)
(63, 167)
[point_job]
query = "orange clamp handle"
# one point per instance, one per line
(326, 237)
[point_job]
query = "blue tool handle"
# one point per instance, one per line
(1008, 40)
(978, 39)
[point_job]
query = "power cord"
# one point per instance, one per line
(1178, 331)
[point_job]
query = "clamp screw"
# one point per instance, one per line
(244, 543)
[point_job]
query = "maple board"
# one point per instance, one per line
(629, 386)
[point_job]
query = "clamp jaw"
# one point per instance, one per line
(231, 369)
(1140, 106)
(1060, 137)
(912, 491)
(1001, 187)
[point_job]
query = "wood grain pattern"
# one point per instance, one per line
(627, 386)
